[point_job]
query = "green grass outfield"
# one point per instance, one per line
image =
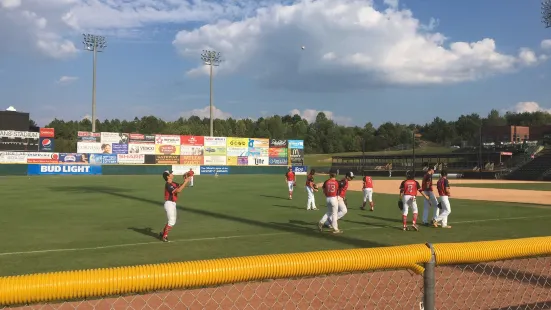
(519, 186)
(322, 160)
(53, 223)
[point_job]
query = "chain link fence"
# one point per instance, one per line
(512, 284)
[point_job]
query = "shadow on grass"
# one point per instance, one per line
(289, 207)
(283, 227)
(148, 231)
(386, 219)
(276, 197)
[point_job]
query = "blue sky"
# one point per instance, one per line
(363, 61)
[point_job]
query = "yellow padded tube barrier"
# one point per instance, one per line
(485, 251)
(113, 281)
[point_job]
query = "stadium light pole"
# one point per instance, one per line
(94, 44)
(546, 13)
(211, 59)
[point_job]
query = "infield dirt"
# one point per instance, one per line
(473, 193)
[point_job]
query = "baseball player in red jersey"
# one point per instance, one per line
(431, 202)
(331, 191)
(172, 189)
(368, 192)
(443, 187)
(190, 174)
(310, 189)
(291, 181)
(343, 187)
(408, 193)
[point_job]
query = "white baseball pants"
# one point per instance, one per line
(332, 212)
(170, 208)
(191, 181)
(341, 211)
(290, 185)
(311, 203)
(368, 194)
(427, 206)
(409, 202)
(446, 210)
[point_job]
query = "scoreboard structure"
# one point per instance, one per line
(15, 134)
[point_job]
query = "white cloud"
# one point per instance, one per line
(546, 44)
(529, 106)
(349, 43)
(67, 79)
(205, 112)
(311, 114)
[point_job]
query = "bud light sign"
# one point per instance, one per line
(63, 170)
(46, 145)
(300, 170)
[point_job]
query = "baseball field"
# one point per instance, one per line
(54, 223)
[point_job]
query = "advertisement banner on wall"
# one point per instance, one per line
(149, 159)
(258, 161)
(139, 138)
(181, 169)
(95, 159)
(191, 160)
(13, 134)
(191, 150)
(42, 158)
(237, 142)
(237, 151)
(63, 170)
(47, 133)
(296, 144)
(214, 160)
(279, 161)
(13, 157)
(141, 148)
(231, 161)
(167, 159)
(109, 159)
(215, 141)
(85, 136)
(167, 140)
(297, 161)
(89, 147)
(166, 149)
(73, 158)
(277, 152)
(238, 161)
(259, 142)
(192, 140)
(131, 159)
(210, 170)
(114, 137)
(300, 170)
(46, 145)
(258, 152)
(215, 151)
(278, 143)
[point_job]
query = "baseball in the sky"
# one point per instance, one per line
(303, 47)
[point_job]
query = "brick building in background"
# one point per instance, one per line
(505, 134)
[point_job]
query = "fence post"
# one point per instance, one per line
(429, 281)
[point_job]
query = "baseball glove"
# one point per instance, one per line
(400, 205)
(439, 205)
(295, 184)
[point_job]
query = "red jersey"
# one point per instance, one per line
(290, 175)
(190, 173)
(169, 188)
(309, 180)
(343, 187)
(427, 182)
(410, 187)
(331, 188)
(441, 186)
(368, 182)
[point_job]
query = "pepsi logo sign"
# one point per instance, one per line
(46, 142)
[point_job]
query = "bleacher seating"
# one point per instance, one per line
(533, 170)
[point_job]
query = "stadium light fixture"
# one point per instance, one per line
(546, 13)
(211, 58)
(94, 44)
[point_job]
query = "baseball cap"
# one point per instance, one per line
(350, 174)
(166, 174)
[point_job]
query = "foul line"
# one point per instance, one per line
(243, 236)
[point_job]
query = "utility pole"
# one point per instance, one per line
(212, 59)
(546, 13)
(94, 44)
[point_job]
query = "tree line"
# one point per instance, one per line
(320, 136)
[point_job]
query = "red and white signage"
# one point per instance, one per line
(192, 140)
(42, 158)
(130, 158)
(47, 132)
(167, 139)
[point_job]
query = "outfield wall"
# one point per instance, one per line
(488, 281)
(81, 169)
